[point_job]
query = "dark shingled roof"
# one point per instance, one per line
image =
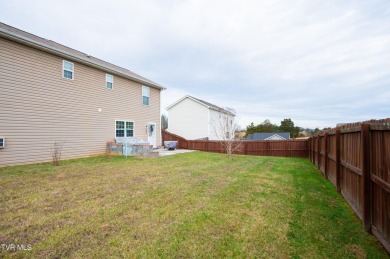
(213, 106)
(209, 105)
(32, 40)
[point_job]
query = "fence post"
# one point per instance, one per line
(326, 156)
(318, 151)
(338, 161)
(246, 148)
(312, 149)
(366, 176)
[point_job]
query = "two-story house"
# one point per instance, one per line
(51, 93)
(193, 118)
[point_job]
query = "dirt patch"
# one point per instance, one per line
(269, 164)
(356, 250)
(61, 176)
(138, 179)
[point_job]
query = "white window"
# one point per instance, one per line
(68, 69)
(109, 81)
(124, 128)
(145, 95)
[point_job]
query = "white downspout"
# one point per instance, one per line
(208, 122)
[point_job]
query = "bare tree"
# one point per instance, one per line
(224, 129)
(56, 152)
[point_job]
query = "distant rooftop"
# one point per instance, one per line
(269, 136)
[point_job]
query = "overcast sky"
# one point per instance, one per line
(316, 62)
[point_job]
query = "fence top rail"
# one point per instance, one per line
(286, 140)
(357, 124)
(351, 130)
(383, 124)
(253, 141)
(172, 134)
(379, 127)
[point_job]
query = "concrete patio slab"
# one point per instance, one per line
(166, 152)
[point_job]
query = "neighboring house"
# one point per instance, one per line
(269, 136)
(193, 118)
(51, 93)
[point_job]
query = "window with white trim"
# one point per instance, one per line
(145, 95)
(109, 81)
(124, 129)
(68, 69)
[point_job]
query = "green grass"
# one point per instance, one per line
(190, 205)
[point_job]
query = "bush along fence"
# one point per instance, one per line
(356, 159)
(280, 148)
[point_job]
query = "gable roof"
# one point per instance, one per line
(270, 136)
(52, 47)
(204, 103)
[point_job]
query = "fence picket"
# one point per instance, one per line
(366, 176)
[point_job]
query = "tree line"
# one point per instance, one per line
(286, 125)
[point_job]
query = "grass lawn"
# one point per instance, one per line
(189, 205)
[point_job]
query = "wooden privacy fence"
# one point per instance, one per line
(281, 148)
(356, 159)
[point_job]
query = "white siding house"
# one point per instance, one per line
(193, 118)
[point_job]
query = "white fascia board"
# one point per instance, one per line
(184, 97)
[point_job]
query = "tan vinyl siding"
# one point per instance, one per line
(38, 106)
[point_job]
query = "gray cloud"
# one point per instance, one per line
(317, 62)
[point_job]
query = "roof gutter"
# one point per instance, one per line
(201, 103)
(222, 111)
(43, 47)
